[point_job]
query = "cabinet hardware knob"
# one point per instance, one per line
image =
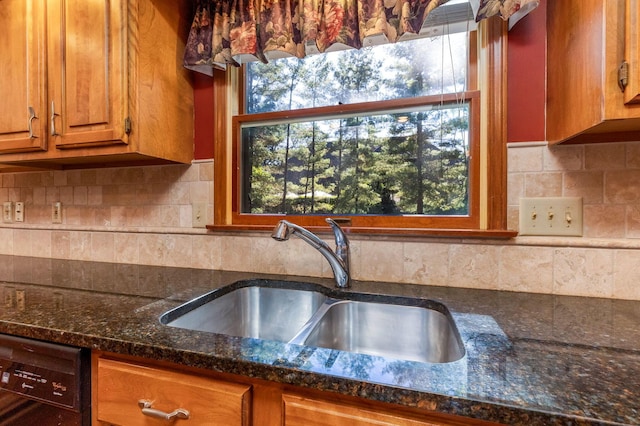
(179, 413)
(32, 116)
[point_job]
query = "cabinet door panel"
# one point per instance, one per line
(632, 50)
(86, 69)
(299, 411)
(209, 402)
(87, 72)
(21, 72)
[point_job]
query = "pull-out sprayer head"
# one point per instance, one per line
(281, 232)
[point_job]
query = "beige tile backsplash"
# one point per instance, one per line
(142, 215)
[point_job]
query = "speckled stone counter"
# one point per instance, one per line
(530, 359)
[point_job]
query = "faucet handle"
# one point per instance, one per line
(342, 248)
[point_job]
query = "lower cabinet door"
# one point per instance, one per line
(300, 411)
(131, 395)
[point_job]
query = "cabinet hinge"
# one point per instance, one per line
(127, 125)
(623, 75)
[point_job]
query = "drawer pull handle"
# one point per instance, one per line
(179, 413)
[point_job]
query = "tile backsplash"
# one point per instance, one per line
(142, 216)
(606, 176)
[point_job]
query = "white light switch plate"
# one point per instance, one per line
(551, 216)
(199, 215)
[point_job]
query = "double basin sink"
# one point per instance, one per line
(312, 315)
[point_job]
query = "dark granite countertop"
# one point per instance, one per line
(530, 359)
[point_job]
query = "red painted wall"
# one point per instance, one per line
(526, 75)
(203, 116)
(525, 98)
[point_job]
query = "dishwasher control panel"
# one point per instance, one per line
(41, 371)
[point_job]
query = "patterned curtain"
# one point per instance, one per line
(228, 32)
(512, 10)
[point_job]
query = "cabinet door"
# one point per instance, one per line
(299, 411)
(120, 386)
(632, 51)
(87, 70)
(23, 106)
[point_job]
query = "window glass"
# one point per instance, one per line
(401, 162)
(420, 67)
(298, 156)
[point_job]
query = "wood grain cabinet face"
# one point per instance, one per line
(104, 81)
(632, 51)
(87, 74)
(302, 411)
(121, 385)
(587, 42)
(118, 385)
(23, 106)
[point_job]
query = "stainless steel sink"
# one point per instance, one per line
(312, 315)
(396, 331)
(259, 312)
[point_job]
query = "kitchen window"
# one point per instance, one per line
(385, 145)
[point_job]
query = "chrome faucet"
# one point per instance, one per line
(339, 260)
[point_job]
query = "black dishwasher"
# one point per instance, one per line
(43, 384)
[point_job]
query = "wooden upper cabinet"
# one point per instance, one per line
(110, 86)
(632, 51)
(587, 42)
(87, 74)
(23, 104)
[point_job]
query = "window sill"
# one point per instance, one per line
(386, 232)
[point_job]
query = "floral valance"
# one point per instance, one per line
(512, 10)
(229, 32)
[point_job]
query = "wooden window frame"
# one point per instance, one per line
(487, 201)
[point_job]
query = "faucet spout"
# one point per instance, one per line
(339, 260)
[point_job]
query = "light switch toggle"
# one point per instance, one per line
(567, 217)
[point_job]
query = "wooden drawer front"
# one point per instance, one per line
(300, 411)
(209, 402)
